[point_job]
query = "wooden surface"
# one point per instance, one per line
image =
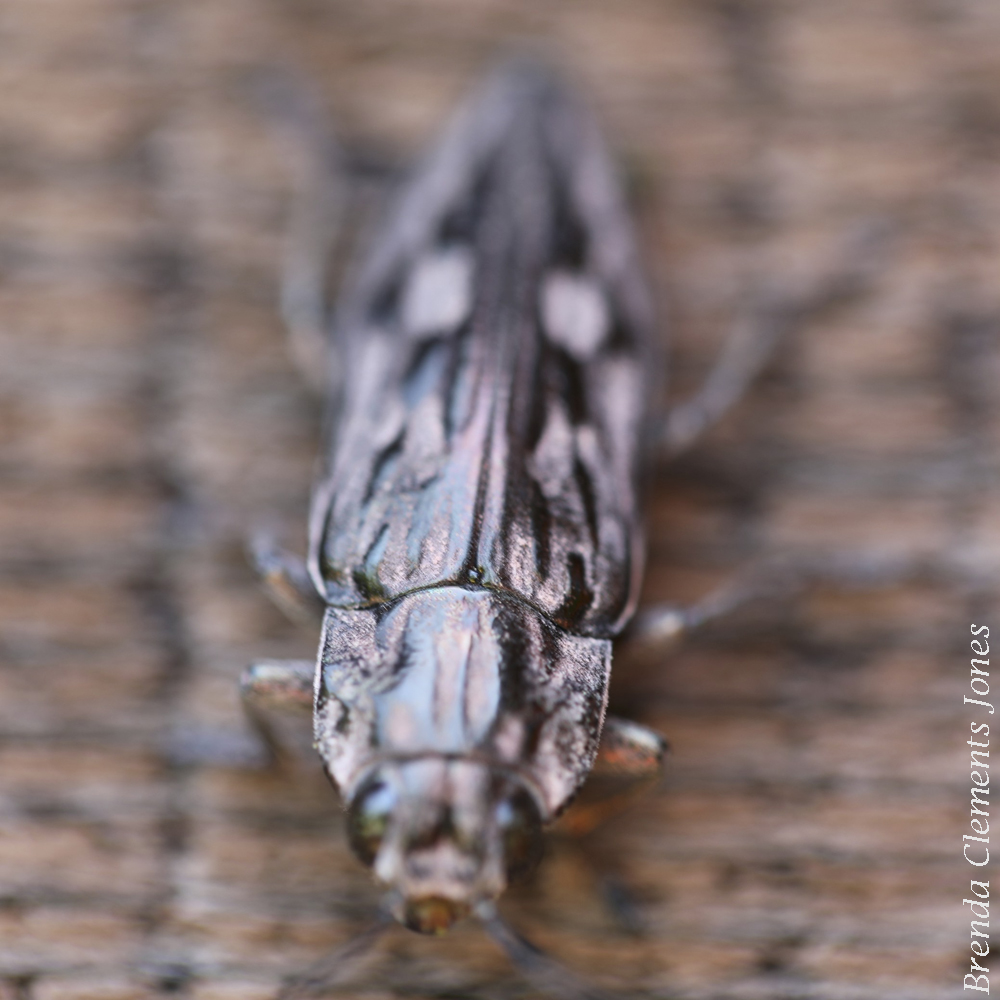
(806, 842)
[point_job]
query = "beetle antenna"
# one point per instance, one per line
(543, 972)
(337, 968)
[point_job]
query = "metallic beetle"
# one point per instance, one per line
(474, 535)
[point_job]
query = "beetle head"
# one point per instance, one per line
(445, 834)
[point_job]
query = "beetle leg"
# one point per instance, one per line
(661, 625)
(315, 219)
(336, 191)
(629, 761)
(279, 684)
(774, 314)
(630, 755)
(629, 750)
(277, 698)
(287, 580)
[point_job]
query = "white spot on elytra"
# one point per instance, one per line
(437, 297)
(574, 313)
(551, 463)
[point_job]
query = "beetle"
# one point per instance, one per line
(475, 537)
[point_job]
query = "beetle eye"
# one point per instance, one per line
(522, 833)
(368, 818)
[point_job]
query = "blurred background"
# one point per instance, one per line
(807, 839)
